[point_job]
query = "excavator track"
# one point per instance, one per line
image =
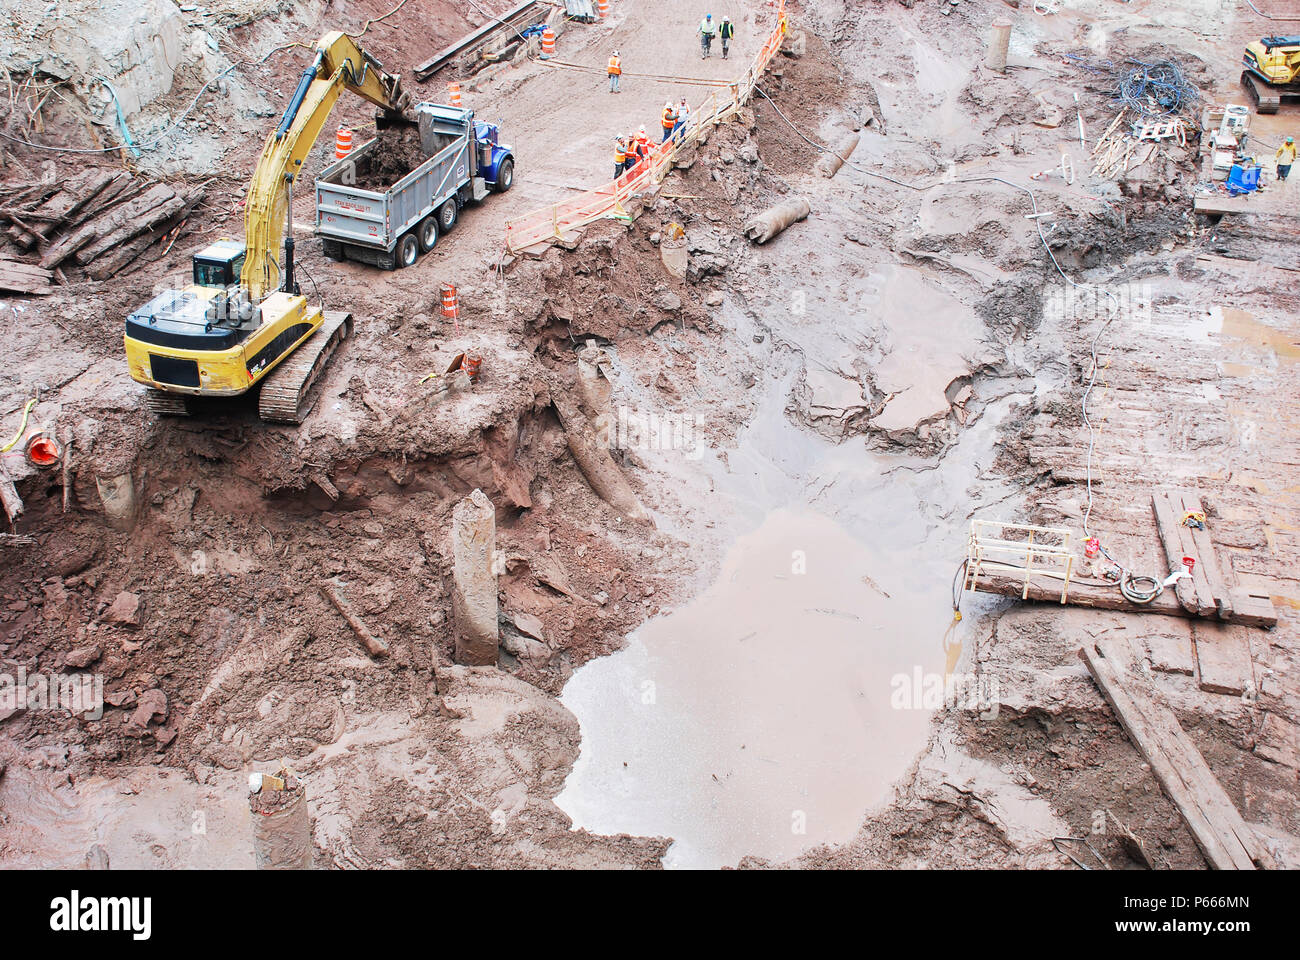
(164, 404)
(1265, 98)
(287, 395)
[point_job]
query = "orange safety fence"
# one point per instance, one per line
(607, 202)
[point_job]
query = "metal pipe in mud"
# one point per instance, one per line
(595, 462)
(828, 164)
(773, 220)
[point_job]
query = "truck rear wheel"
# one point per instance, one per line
(447, 215)
(332, 249)
(408, 250)
(428, 233)
(505, 176)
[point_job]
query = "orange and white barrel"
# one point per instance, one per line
(342, 143)
(602, 8)
(548, 43)
(453, 95)
(450, 302)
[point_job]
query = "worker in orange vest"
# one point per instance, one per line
(620, 156)
(669, 120)
(615, 71)
(642, 144)
(632, 155)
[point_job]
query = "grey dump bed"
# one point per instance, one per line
(378, 218)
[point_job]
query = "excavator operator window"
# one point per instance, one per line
(218, 273)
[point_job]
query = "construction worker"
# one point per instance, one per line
(707, 32)
(683, 115)
(615, 71)
(642, 144)
(620, 156)
(1285, 156)
(633, 154)
(668, 119)
(725, 33)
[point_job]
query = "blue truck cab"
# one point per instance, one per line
(492, 156)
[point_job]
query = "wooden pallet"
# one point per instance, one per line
(1208, 594)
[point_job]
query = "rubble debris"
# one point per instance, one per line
(125, 611)
(99, 219)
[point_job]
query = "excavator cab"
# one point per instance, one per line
(219, 264)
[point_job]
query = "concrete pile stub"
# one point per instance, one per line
(474, 580)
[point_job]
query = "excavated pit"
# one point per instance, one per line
(687, 690)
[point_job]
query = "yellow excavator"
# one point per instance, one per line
(243, 321)
(1272, 73)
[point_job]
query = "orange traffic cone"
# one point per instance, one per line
(342, 143)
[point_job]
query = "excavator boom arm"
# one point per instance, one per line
(338, 64)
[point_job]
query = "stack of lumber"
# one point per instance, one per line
(99, 220)
(1122, 149)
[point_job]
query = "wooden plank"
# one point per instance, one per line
(19, 277)
(1081, 594)
(63, 206)
(431, 66)
(1223, 658)
(1250, 610)
(1225, 839)
(1211, 591)
(121, 218)
(132, 228)
(1207, 556)
(1167, 525)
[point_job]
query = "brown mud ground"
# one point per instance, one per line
(220, 656)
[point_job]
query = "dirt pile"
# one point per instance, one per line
(396, 153)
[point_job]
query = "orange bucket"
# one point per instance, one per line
(44, 451)
(471, 364)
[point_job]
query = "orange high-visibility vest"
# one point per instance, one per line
(620, 152)
(615, 66)
(669, 118)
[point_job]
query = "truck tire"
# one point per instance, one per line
(427, 231)
(332, 249)
(448, 214)
(408, 250)
(505, 176)
(386, 261)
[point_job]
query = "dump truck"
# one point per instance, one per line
(389, 227)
